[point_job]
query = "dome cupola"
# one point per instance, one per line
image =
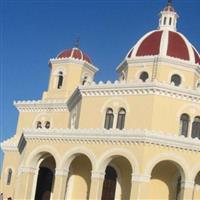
(166, 41)
(75, 53)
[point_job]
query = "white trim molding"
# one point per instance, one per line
(41, 106)
(9, 145)
(114, 137)
(134, 88)
(73, 61)
(140, 178)
(98, 174)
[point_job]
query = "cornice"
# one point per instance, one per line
(186, 65)
(9, 145)
(114, 137)
(137, 88)
(41, 105)
(73, 61)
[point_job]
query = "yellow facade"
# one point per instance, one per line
(68, 146)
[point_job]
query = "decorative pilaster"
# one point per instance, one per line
(27, 179)
(187, 188)
(138, 185)
(96, 186)
(60, 183)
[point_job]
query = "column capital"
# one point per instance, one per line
(61, 172)
(98, 174)
(187, 184)
(140, 178)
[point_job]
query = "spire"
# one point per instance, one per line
(77, 42)
(168, 17)
(169, 3)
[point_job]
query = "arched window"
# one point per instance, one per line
(165, 19)
(144, 76)
(170, 21)
(84, 80)
(122, 76)
(176, 79)
(9, 177)
(121, 118)
(109, 119)
(60, 80)
(196, 127)
(184, 124)
(39, 124)
(47, 124)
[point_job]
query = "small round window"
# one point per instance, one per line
(144, 76)
(47, 124)
(176, 79)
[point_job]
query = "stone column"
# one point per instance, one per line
(138, 186)
(96, 186)
(60, 183)
(26, 183)
(190, 128)
(187, 189)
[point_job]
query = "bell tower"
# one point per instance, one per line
(69, 69)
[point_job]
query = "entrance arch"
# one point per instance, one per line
(196, 192)
(117, 180)
(79, 178)
(109, 185)
(45, 179)
(165, 182)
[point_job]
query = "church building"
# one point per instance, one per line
(137, 138)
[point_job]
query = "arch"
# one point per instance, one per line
(196, 127)
(42, 117)
(33, 159)
(60, 80)
(110, 183)
(178, 161)
(190, 108)
(121, 118)
(184, 124)
(109, 118)
(47, 124)
(110, 154)
(71, 154)
(115, 103)
(194, 172)
(9, 176)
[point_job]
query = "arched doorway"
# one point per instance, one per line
(117, 179)
(165, 183)
(79, 178)
(109, 185)
(45, 179)
(196, 192)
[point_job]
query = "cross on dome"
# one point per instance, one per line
(169, 2)
(77, 42)
(168, 17)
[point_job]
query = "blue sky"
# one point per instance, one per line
(34, 31)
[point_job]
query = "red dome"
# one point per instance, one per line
(74, 53)
(165, 43)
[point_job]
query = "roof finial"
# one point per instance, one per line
(77, 42)
(169, 3)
